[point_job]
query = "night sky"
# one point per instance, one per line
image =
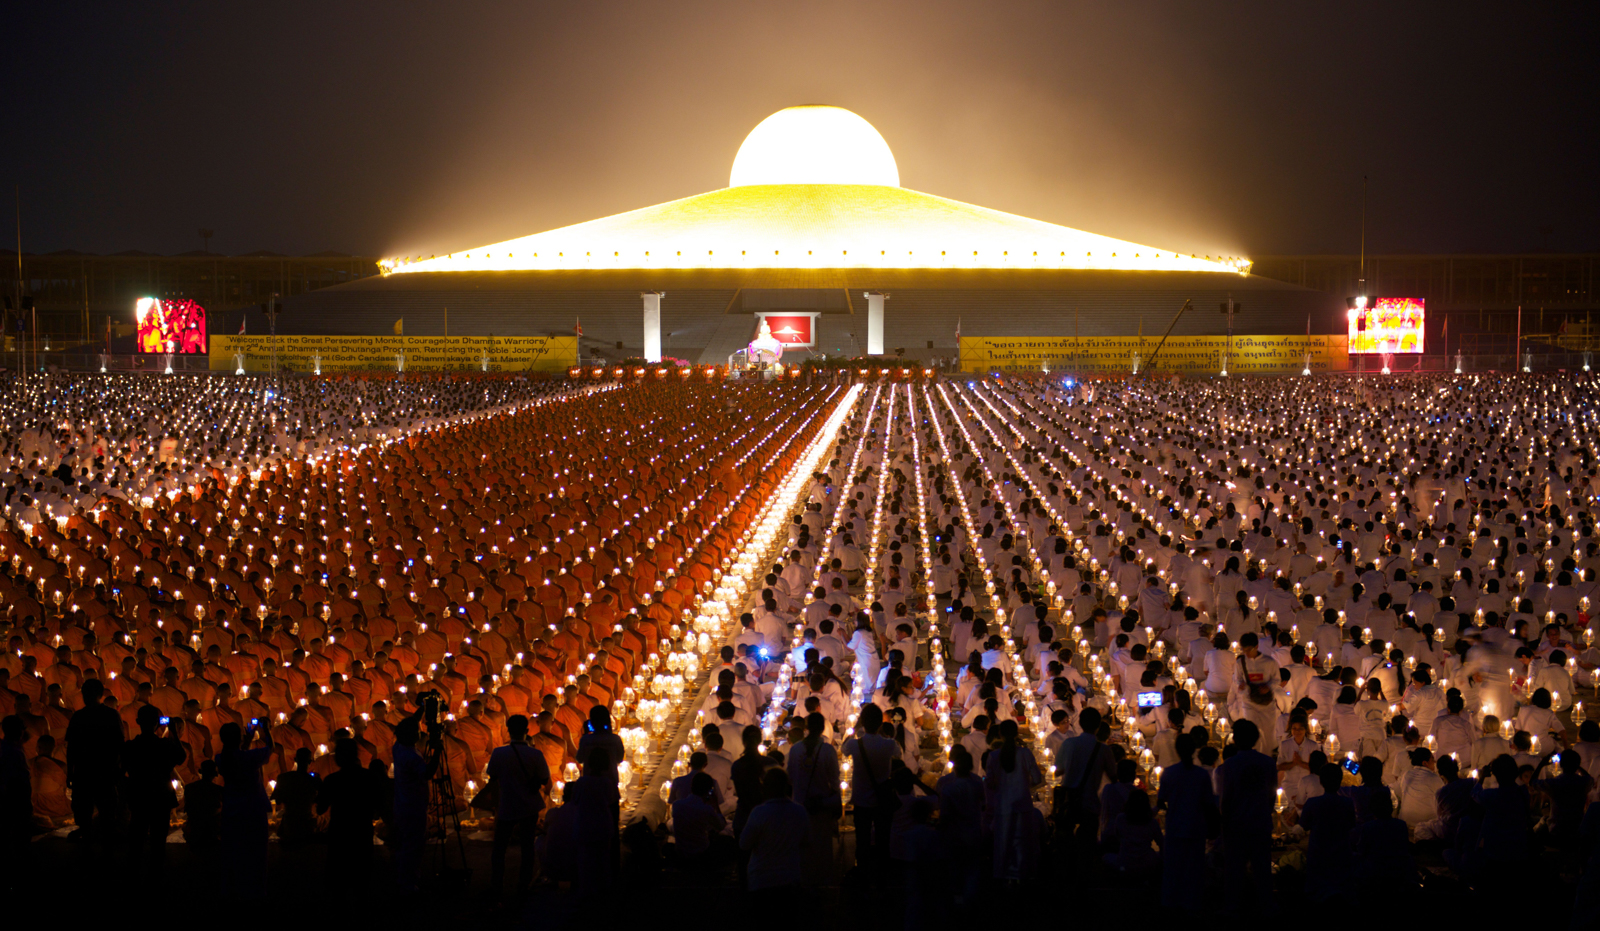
(400, 128)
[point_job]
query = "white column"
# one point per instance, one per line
(875, 301)
(652, 324)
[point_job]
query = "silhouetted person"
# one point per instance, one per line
(696, 823)
(16, 803)
(349, 797)
(1191, 807)
(595, 800)
(412, 772)
(597, 732)
(871, 755)
(202, 812)
(94, 749)
(1084, 764)
(148, 761)
(521, 778)
(776, 836)
(1382, 853)
(296, 794)
(748, 771)
(1328, 819)
(1249, 782)
(244, 808)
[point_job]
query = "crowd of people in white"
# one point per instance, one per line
(1327, 628)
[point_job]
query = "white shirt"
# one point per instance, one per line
(1418, 791)
(1219, 667)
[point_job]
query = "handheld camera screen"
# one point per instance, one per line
(1149, 699)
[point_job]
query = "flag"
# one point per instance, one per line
(400, 327)
(577, 327)
(243, 319)
(958, 329)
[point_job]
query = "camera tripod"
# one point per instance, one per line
(444, 819)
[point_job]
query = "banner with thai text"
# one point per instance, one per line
(1191, 354)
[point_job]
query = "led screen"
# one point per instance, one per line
(177, 325)
(790, 329)
(1390, 325)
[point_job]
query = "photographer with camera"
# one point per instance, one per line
(148, 761)
(597, 733)
(245, 808)
(413, 773)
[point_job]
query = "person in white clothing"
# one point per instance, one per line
(1219, 670)
(1418, 789)
(864, 643)
(1422, 700)
(1294, 753)
(1453, 732)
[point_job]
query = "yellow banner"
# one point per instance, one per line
(1196, 354)
(390, 353)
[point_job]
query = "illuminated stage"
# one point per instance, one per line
(814, 223)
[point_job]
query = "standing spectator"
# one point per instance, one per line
(1248, 781)
(16, 805)
(1011, 775)
(776, 837)
(961, 819)
(871, 755)
(296, 797)
(814, 778)
(1191, 807)
(1568, 792)
(1083, 765)
(202, 812)
(521, 779)
(412, 772)
(595, 801)
(148, 761)
(244, 808)
(597, 732)
(696, 825)
(349, 797)
(94, 748)
(1328, 819)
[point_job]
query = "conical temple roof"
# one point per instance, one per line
(816, 226)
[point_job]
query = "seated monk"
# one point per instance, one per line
(169, 697)
(553, 747)
(51, 807)
(379, 732)
(475, 730)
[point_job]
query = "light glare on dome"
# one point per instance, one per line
(815, 187)
(814, 145)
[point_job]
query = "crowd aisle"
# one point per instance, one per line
(1237, 646)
